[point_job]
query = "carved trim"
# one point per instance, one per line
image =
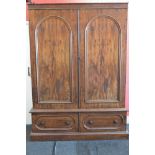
(41, 8)
(105, 110)
(101, 100)
(54, 118)
(70, 6)
(55, 101)
(102, 128)
(119, 62)
(70, 51)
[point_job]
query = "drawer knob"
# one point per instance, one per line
(68, 122)
(115, 121)
(90, 122)
(41, 123)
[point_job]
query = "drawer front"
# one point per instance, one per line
(55, 122)
(102, 122)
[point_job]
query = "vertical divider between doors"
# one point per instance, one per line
(78, 35)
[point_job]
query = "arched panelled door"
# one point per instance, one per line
(101, 53)
(55, 59)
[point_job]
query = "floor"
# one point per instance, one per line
(102, 147)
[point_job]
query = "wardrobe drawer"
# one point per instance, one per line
(55, 122)
(102, 122)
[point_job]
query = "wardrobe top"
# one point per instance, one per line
(33, 6)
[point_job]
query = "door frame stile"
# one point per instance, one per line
(78, 63)
(78, 35)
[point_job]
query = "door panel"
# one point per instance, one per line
(101, 51)
(54, 56)
(102, 39)
(54, 63)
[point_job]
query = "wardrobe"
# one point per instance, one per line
(78, 70)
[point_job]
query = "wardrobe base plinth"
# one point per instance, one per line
(79, 136)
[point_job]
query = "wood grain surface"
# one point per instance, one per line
(54, 59)
(53, 37)
(55, 122)
(102, 122)
(103, 58)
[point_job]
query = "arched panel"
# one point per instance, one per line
(102, 60)
(53, 37)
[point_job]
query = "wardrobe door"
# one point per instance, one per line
(53, 38)
(103, 57)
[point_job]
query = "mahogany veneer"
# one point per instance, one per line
(78, 70)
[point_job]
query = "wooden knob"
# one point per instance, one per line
(90, 122)
(115, 121)
(41, 123)
(68, 122)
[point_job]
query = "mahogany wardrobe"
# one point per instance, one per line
(78, 70)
